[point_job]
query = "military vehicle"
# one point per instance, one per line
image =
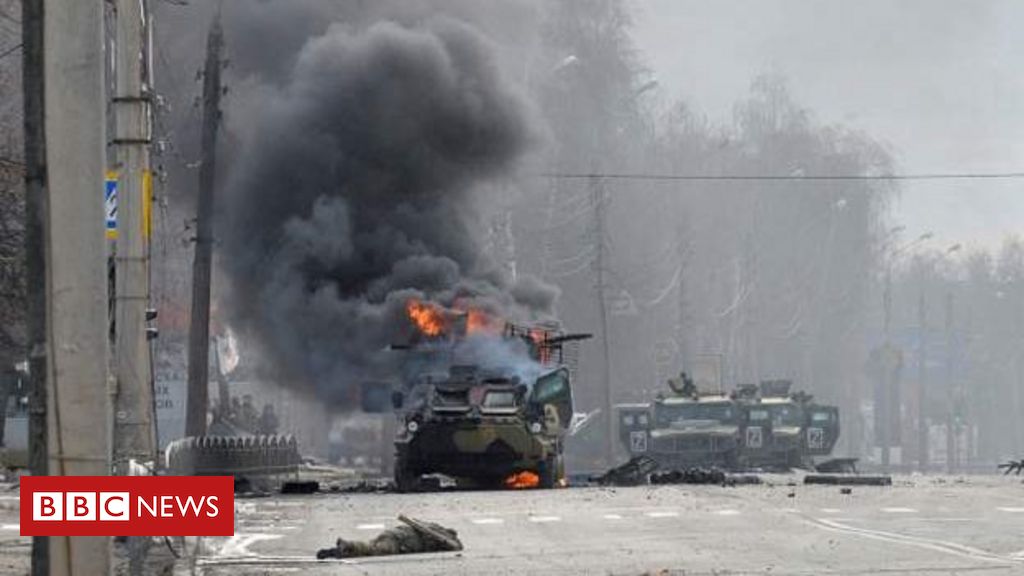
(689, 428)
(489, 424)
(763, 426)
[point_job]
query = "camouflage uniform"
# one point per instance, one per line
(405, 539)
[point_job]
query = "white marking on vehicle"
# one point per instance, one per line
(542, 519)
(664, 514)
(899, 510)
(370, 527)
(482, 521)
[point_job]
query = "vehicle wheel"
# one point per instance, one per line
(405, 479)
(548, 472)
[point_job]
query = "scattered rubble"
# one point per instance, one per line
(300, 487)
(848, 480)
(632, 473)
(1013, 466)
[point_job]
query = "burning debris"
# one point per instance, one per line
(521, 480)
(351, 206)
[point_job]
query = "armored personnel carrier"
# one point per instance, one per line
(500, 421)
(764, 426)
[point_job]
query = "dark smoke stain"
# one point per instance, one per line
(354, 194)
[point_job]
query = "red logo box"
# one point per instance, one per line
(127, 506)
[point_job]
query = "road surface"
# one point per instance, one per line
(921, 525)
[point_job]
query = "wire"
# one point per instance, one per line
(780, 177)
(10, 50)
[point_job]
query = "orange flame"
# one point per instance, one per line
(429, 319)
(524, 479)
(478, 321)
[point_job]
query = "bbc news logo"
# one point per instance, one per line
(127, 506)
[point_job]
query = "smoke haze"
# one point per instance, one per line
(352, 195)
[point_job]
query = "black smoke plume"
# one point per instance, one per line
(354, 192)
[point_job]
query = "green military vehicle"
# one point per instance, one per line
(784, 430)
(689, 428)
(762, 426)
(489, 426)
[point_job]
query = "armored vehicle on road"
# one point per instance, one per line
(763, 426)
(498, 422)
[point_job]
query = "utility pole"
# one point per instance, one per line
(885, 418)
(199, 330)
(36, 215)
(598, 198)
(78, 408)
(134, 428)
(952, 454)
(922, 389)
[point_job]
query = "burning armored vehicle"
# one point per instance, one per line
(762, 426)
(487, 408)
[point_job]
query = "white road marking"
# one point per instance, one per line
(238, 545)
(727, 512)
(16, 527)
(487, 521)
(1011, 509)
(928, 544)
(370, 527)
(790, 510)
(831, 510)
(898, 510)
(542, 519)
(665, 514)
(612, 517)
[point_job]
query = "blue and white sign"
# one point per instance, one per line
(110, 204)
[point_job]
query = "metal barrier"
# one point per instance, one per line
(233, 455)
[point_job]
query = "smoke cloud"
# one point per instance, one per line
(354, 192)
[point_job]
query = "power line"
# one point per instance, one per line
(10, 51)
(780, 177)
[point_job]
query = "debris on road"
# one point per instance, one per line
(413, 537)
(364, 487)
(632, 473)
(1013, 466)
(300, 487)
(690, 476)
(837, 466)
(848, 480)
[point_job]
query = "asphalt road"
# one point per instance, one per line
(973, 525)
(918, 526)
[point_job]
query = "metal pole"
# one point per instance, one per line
(884, 418)
(76, 271)
(598, 199)
(922, 389)
(36, 216)
(951, 447)
(199, 330)
(133, 415)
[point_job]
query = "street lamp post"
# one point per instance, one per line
(888, 382)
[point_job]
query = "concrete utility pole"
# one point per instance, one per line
(76, 271)
(598, 199)
(134, 430)
(199, 331)
(36, 216)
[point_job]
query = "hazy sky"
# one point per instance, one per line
(940, 82)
